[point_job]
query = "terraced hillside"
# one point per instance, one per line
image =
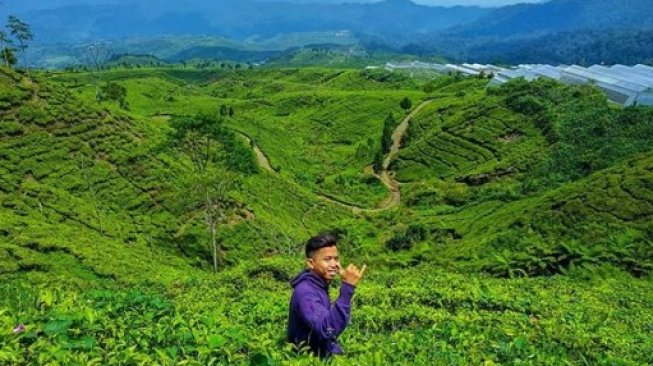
(334, 116)
(521, 185)
(67, 186)
(602, 219)
(463, 136)
(70, 167)
(519, 230)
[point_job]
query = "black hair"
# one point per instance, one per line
(318, 242)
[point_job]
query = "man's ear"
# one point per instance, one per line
(310, 262)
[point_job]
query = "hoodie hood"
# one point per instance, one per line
(308, 275)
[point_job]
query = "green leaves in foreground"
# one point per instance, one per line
(420, 316)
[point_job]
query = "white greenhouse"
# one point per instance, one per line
(625, 85)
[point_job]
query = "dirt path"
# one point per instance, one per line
(399, 133)
(386, 176)
(262, 159)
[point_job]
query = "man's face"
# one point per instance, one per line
(325, 262)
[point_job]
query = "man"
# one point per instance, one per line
(313, 321)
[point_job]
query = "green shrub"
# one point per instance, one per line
(31, 114)
(414, 233)
(11, 128)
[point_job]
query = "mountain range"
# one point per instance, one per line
(239, 19)
(559, 31)
(460, 33)
(523, 20)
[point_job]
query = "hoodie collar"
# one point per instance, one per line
(308, 275)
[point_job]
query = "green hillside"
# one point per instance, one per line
(512, 225)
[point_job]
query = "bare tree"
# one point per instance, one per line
(95, 55)
(86, 169)
(208, 188)
(218, 206)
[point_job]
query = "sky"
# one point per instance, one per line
(484, 3)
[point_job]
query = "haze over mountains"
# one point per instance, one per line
(562, 15)
(559, 31)
(240, 19)
(460, 33)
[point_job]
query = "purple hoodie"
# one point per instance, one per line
(312, 320)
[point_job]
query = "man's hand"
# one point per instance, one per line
(352, 274)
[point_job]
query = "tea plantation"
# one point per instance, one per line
(510, 226)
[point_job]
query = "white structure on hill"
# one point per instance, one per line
(473, 69)
(415, 65)
(625, 85)
(622, 84)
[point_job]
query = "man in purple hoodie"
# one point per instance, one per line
(313, 321)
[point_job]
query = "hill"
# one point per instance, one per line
(78, 22)
(554, 32)
(528, 20)
(522, 230)
(560, 31)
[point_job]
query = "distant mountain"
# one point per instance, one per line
(528, 20)
(559, 31)
(581, 47)
(238, 19)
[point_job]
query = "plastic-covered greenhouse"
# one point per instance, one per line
(625, 85)
(624, 74)
(462, 69)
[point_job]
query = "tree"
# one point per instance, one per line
(87, 169)
(22, 32)
(7, 53)
(95, 55)
(377, 165)
(405, 104)
(209, 186)
(386, 138)
(115, 92)
(428, 87)
(8, 57)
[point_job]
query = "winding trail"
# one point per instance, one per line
(262, 159)
(386, 176)
(399, 133)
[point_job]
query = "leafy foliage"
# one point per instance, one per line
(114, 92)
(389, 124)
(405, 103)
(502, 250)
